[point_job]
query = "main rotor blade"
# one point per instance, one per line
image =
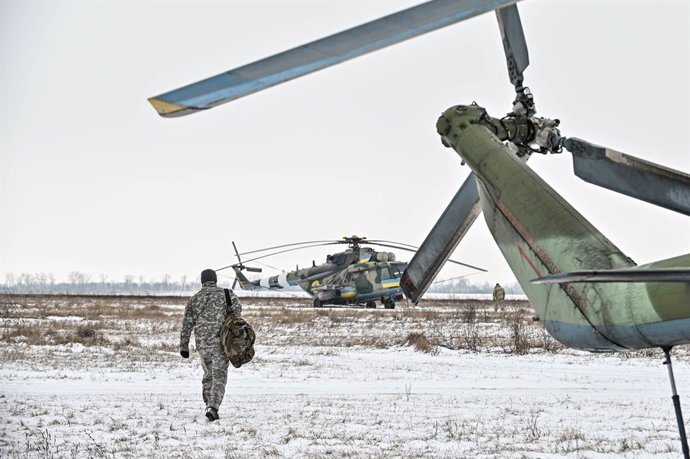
(289, 250)
(392, 246)
(391, 242)
(271, 254)
(442, 240)
(514, 43)
(414, 250)
(629, 175)
(287, 245)
(320, 54)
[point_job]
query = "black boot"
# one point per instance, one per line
(211, 414)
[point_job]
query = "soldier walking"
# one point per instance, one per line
(499, 296)
(205, 313)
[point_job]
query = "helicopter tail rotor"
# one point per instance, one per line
(238, 268)
(601, 166)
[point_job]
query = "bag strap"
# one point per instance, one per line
(228, 303)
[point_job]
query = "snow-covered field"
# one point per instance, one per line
(95, 377)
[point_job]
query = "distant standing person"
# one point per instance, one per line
(499, 296)
(205, 313)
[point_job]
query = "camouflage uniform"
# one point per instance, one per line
(205, 313)
(499, 296)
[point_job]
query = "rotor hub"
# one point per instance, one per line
(529, 133)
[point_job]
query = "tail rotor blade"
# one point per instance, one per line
(616, 171)
(237, 254)
(442, 240)
(514, 43)
(233, 266)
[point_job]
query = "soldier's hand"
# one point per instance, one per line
(184, 354)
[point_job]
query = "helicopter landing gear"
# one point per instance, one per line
(317, 303)
(371, 305)
(388, 303)
(676, 404)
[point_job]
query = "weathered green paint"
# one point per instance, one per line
(539, 233)
(670, 300)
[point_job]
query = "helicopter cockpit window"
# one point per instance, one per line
(340, 259)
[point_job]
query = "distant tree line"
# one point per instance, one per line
(83, 283)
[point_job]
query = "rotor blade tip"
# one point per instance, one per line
(169, 109)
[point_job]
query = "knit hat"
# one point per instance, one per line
(208, 275)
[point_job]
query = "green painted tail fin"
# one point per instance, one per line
(245, 283)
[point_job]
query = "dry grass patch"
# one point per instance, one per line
(420, 343)
(53, 333)
(520, 342)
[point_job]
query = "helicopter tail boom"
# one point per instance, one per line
(245, 283)
(540, 234)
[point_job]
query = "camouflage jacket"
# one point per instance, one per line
(205, 313)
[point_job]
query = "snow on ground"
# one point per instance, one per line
(324, 383)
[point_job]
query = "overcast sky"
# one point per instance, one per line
(92, 179)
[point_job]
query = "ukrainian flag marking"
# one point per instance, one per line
(348, 292)
(390, 283)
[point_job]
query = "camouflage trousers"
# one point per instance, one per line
(215, 365)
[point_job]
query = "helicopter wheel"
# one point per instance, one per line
(388, 303)
(317, 303)
(371, 305)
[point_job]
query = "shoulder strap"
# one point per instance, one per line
(228, 303)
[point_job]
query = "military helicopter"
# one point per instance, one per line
(585, 290)
(358, 276)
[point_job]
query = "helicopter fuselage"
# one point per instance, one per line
(356, 276)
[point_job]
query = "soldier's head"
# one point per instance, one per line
(208, 275)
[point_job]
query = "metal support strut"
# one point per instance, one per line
(676, 404)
